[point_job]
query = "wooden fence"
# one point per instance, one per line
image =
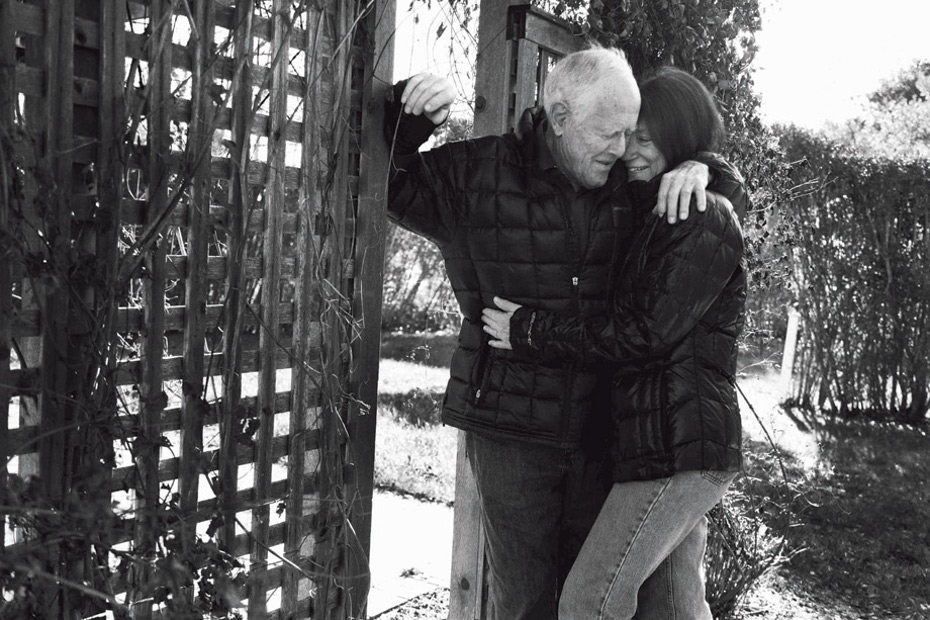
(191, 246)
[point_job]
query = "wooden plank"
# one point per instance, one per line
(235, 282)
(170, 469)
(492, 79)
(466, 591)
(524, 90)
(197, 154)
(303, 416)
(55, 409)
(216, 266)
(111, 114)
(25, 323)
(378, 27)
(131, 213)
(153, 293)
(547, 31)
(7, 107)
(274, 205)
(129, 373)
(492, 117)
(28, 18)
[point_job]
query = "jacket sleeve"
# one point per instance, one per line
(674, 275)
(726, 181)
(420, 186)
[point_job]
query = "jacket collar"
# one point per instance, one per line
(531, 132)
(643, 194)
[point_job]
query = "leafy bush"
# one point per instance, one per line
(861, 246)
(417, 294)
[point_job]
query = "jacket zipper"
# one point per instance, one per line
(578, 254)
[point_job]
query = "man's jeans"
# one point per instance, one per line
(655, 526)
(538, 505)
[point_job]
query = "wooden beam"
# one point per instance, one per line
(151, 385)
(7, 106)
(378, 28)
(272, 244)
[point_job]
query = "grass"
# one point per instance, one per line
(414, 453)
(418, 460)
(864, 522)
(858, 495)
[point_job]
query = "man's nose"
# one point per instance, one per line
(618, 147)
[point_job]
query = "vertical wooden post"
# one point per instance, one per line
(298, 542)
(197, 154)
(377, 31)
(272, 241)
(151, 392)
(508, 80)
(237, 224)
(492, 99)
(56, 409)
(7, 103)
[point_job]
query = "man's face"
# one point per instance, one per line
(594, 136)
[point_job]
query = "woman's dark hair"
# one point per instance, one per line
(680, 114)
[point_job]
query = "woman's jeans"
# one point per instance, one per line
(644, 556)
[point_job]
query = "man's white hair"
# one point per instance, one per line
(572, 80)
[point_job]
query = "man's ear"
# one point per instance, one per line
(557, 114)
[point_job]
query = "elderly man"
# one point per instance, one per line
(535, 216)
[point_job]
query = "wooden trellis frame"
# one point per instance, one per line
(517, 44)
(191, 246)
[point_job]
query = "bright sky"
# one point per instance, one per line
(817, 58)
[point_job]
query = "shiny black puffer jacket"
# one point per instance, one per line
(505, 227)
(677, 311)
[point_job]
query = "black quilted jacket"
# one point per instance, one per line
(505, 227)
(677, 310)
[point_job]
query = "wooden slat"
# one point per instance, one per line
(235, 280)
(198, 147)
(7, 106)
(158, 54)
(26, 323)
(131, 213)
(30, 81)
(215, 267)
(28, 18)
(25, 380)
(171, 417)
(546, 31)
(128, 373)
(112, 110)
(86, 33)
(274, 205)
(105, 218)
(35, 82)
(527, 59)
(169, 469)
(369, 269)
(302, 413)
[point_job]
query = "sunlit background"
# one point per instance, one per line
(817, 58)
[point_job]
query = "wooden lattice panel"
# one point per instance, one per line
(189, 291)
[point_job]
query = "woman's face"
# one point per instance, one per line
(642, 158)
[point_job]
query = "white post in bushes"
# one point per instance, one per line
(791, 343)
(516, 46)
